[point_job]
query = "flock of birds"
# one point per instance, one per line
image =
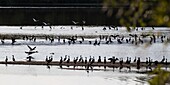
(104, 39)
(130, 38)
(113, 60)
(149, 63)
(29, 53)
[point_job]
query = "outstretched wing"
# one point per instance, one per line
(30, 47)
(33, 48)
(75, 22)
(110, 58)
(34, 20)
(30, 57)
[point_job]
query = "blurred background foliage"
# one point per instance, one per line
(162, 77)
(132, 13)
(144, 13)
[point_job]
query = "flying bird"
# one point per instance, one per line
(84, 22)
(35, 20)
(31, 49)
(45, 23)
(31, 52)
(52, 53)
(75, 22)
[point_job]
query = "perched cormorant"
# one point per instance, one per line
(61, 60)
(65, 58)
(99, 60)
(13, 58)
(163, 60)
(6, 59)
(85, 60)
(134, 59)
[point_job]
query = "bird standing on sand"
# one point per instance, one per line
(134, 59)
(85, 60)
(13, 58)
(121, 64)
(6, 59)
(68, 60)
(61, 60)
(65, 58)
(46, 59)
(104, 60)
(166, 62)
(92, 61)
(147, 61)
(138, 63)
(163, 59)
(99, 60)
(13, 41)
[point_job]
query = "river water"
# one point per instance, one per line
(41, 75)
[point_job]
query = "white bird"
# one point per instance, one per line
(45, 23)
(35, 20)
(75, 22)
(84, 22)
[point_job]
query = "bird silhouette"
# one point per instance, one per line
(68, 60)
(52, 53)
(31, 49)
(65, 58)
(134, 60)
(74, 22)
(31, 52)
(99, 60)
(35, 20)
(121, 64)
(61, 60)
(104, 60)
(163, 59)
(13, 41)
(30, 58)
(6, 59)
(138, 63)
(13, 58)
(85, 60)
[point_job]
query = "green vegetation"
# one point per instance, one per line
(132, 13)
(161, 77)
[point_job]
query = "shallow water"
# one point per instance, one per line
(155, 51)
(40, 75)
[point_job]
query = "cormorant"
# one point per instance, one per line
(13, 59)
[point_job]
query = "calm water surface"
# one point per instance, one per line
(41, 75)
